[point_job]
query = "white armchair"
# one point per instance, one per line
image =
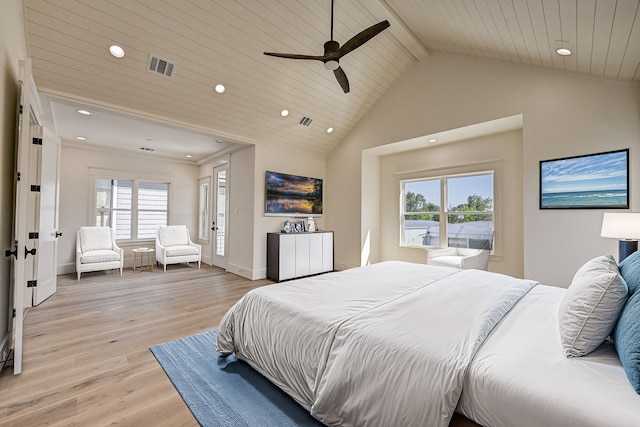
(463, 258)
(174, 245)
(96, 250)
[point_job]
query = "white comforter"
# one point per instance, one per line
(520, 377)
(387, 344)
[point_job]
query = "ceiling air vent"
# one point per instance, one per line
(160, 66)
(305, 121)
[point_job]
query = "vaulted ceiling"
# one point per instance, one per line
(214, 42)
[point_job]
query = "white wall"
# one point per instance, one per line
(241, 213)
(13, 49)
(76, 197)
(564, 114)
(500, 152)
(278, 161)
(248, 225)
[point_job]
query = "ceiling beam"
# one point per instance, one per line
(381, 10)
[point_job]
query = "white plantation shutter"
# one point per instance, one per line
(135, 209)
(122, 195)
(153, 204)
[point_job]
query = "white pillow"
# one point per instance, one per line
(590, 307)
(173, 235)
(95, 238)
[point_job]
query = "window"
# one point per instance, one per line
(203, 223)
(454, 211)
(134, 208)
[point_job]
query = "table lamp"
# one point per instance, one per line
(624, 226)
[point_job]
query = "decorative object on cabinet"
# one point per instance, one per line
(298, 254)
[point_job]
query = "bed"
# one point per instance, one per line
(398, 343)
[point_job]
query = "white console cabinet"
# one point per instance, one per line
(291, 255)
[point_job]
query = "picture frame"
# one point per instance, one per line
(292, 195)
(592, 181)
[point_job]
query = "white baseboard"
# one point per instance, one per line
(66, 268)
(246, 272)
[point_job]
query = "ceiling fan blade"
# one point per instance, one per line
(342, 79)
(362, 37)
(294, 56)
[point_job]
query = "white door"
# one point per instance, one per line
(47, 244)
(18, 245)
(220, 223)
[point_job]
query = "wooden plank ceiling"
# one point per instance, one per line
(221, 41)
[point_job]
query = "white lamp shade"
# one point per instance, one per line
(621, 225)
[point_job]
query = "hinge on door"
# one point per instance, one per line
(14, 313)
(21, 108)
(34, 235)
(35, 188)
(32, 283)
(17, 176)
(37, 141)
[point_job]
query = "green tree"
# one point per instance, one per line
(474, 203)
(416, 202)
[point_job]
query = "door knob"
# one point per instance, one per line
(29, 252)
(10, 252)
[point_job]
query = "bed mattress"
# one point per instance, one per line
(520, 376)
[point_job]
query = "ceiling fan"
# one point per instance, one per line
(333, 51)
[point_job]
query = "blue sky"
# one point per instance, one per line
(600, 173)
(459, 188)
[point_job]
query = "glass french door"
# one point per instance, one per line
(220, 218)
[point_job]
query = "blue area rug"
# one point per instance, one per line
(226, 392)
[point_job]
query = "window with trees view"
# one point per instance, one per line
(453, 211)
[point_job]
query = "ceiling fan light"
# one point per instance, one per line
(331, 65)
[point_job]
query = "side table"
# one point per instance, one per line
(139, 253)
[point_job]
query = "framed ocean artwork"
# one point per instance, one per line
(593, 181)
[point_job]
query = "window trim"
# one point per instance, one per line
(95, 173)
(459, 170)
(204, 181)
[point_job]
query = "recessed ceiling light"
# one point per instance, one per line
(220, 88)
(81, 138)
(188, 156)
(284, 113)
(116, 51)
(84, 112)
(329, 130)
(563, 51)
(432, 141)
(219, 141)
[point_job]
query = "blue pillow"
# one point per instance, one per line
(627, 340)
(630, 271)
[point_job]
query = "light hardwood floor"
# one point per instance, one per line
(86, 349)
